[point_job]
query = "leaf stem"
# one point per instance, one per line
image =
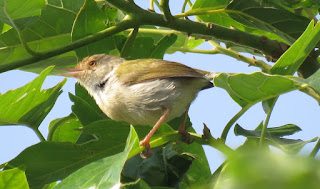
(151, 8)
(232, 121)
(128, 44)
(158, 5)
(201, 11)
(184, 6)
(266, 122)
(315, 149)
(39, 134)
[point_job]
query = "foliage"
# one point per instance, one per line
(87, 149)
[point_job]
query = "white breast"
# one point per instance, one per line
(143, 103)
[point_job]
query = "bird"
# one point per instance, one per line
(142, 91)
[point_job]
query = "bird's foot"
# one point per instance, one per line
(187, 138)
(146, 153)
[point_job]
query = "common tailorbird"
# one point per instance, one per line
(142, 91)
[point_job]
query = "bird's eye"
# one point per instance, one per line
(92, 63)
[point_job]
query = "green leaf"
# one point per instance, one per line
(248, 89)
(199, 171)
(280, 131)
(264, 170)
(141, 48)
(314, 81)
(90, 20)
(84, 109)
(51, 30)
(299, 3)
(273, 137)
(15, 9)
(196, 175)
(56, 160)
(103, 173)
(160, 48)
(222, 17)
(29, 105)
(82, 93)
(13, 179)
(165, 167)
(292, 59)
(139, 184)
(267, 16)
(65, 129)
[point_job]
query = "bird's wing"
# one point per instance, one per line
(137, 71)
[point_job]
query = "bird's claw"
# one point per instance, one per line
(187, 138)
(146, 153)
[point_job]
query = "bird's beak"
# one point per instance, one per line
(71, 72)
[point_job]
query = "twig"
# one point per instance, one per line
(151, 8)
(158, 5)
(200, 51)
(176, 136)
(251, 61)
(184, 6)
(166, 10)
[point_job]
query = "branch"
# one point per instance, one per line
(166, 10)
(205, 139)
(251, 61)
(271, 48)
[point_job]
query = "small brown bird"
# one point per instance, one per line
(142, 91)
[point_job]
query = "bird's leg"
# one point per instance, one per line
(182, 128)
(145, 142)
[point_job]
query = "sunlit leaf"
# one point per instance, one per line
(248, 89)
(274, 137)
(15, 9)
(90, 20)
(168, 164)
(222, 17)
(265, 15)
(51, 30)
(264, 170)
(13, 179)
(56, 160)
(29, 105)
(104, 173)
(291, 60)
(65, 129)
